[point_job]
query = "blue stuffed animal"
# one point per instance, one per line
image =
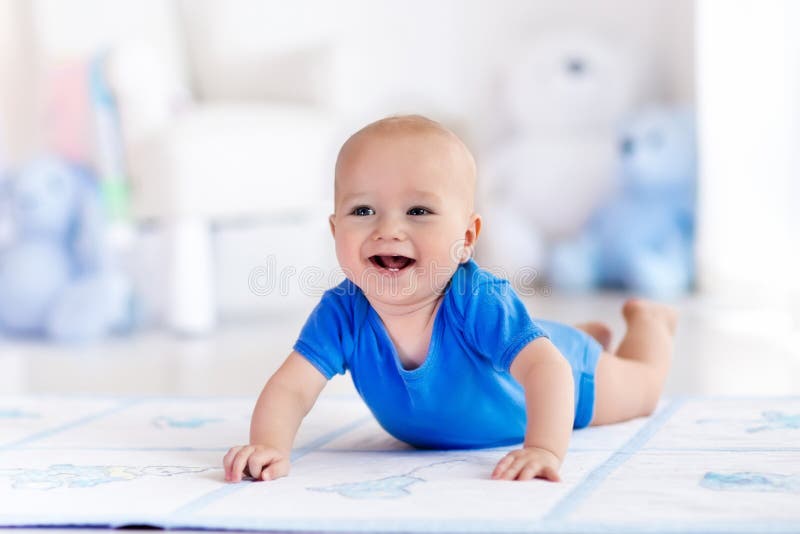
(55, 278)
(642, 239)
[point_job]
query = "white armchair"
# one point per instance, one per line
(193, 162)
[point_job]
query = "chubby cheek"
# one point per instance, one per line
(348, 254)
(438, 264)
(448, 249)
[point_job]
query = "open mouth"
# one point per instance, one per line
(392, 263)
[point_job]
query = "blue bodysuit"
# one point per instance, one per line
(463, 395)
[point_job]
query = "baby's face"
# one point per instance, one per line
(403, 214)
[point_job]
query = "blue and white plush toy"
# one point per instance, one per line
(642, 239)
(55, 278)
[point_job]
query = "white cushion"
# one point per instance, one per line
(231, 160)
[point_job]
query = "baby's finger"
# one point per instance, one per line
(227, 461)
(276, 469)
(258, 460)
(514, 469)
(240, 462)
(528, 472)
(549, 473)
(501, 466)
(255, 464)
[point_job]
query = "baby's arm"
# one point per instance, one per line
(285, 400)
(550, 406)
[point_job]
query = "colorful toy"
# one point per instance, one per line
(642, 239)
(55, 278)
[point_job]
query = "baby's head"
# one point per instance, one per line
(404, 208)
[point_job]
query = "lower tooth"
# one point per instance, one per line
(394, 269)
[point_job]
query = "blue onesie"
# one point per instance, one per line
(463, 395)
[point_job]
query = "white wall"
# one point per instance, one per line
(749, 115)
(439, 57)
(443, 57)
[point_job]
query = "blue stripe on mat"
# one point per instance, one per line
(229, 488)
(70, 425)
(582, 491)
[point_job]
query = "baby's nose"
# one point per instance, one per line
(389, 228)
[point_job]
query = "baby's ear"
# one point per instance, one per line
(470, 236)
(333, 224)
(473, 230)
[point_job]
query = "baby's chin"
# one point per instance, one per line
(403, 303)
(411, 291)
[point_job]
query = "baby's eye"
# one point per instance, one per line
(418, 210)
(362, 211)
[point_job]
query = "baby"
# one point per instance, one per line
(444, 353)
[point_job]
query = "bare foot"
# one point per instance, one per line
(636, 309)
(600, 331)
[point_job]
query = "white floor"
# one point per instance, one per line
(723, 346)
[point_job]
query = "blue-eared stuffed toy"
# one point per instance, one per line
(642, 238)
(55, 277)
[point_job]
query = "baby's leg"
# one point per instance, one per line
(628, 384)
(601, 332)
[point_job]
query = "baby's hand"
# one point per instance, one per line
(528, 463)
(257, 461)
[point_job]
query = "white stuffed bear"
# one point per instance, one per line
(563, 95)
(569, 80)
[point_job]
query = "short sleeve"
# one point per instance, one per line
(497, 323)
(326, 339)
